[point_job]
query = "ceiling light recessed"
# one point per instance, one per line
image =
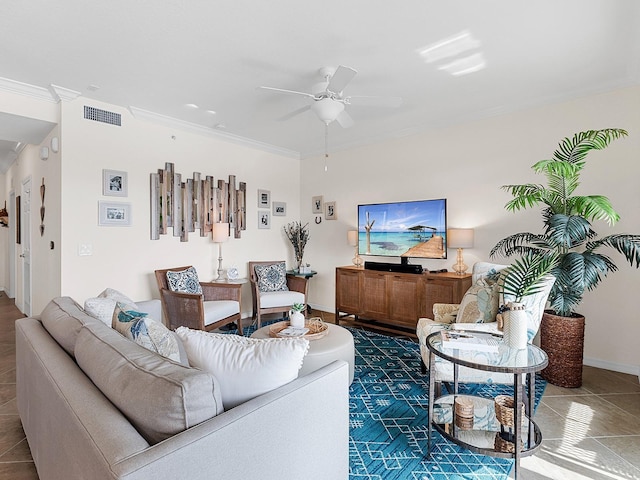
(448, 47)
(191, 105)
(466, 65)
(212, 112)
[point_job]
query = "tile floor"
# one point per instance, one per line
(592, 432)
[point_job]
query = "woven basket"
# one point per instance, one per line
(562, 339)
(502, 444)
(504, 410)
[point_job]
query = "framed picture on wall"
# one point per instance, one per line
(264, 220)
(316, 204)
(279, 209)
(264, 198)
(114, 214)
(330, 212)
(114, 183)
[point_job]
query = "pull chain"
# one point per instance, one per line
(326, 146)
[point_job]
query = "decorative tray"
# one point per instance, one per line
(317, 329)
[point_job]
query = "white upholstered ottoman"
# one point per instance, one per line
(337, 344)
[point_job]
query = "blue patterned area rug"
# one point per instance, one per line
(388, 418)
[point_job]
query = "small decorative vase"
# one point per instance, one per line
(296, 319)
(515, 326)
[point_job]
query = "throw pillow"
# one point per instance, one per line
(102, 306)
(245, 367)
(145, 331)
(272, 278)
(480, 303)
(184, 281)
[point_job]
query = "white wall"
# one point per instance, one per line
(124, 257)
(467, 164)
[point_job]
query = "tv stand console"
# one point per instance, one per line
(393, 300)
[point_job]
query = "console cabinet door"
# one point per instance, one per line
(405, 299)
(443, 290)
(348, 291)
(375, 301)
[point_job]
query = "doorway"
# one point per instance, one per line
(25, 236)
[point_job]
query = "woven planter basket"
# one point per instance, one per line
(504, 410)
(562, 339)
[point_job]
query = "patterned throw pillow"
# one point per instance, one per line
(102, 306)
(145, 331)
(272, 278)
(184, 281)
(480, 303)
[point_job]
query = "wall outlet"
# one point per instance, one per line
(85, 249)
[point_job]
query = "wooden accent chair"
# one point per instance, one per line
(275, 301)
(218, 305)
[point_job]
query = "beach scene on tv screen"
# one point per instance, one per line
(403, 229)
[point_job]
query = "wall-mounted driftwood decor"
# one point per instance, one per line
(195, 204)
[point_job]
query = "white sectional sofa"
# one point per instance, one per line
(158, 419)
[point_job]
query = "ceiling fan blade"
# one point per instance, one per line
(289, 92)
(294, 113)
(365, 101)
(344, 119)
(341, 78)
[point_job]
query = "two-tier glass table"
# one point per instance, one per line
(479, 433)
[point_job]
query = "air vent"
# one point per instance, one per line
(112, 118)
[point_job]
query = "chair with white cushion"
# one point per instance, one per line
(477, 311)
(273, 290)
(198, 305)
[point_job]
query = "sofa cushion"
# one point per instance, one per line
(272, 278)
(63, 318)
(145, 331)
(102, 306)
(245, 367)
(184, 281)
(159, 397)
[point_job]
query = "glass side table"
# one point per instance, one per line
(478, 433)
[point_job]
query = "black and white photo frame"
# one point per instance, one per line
(114, 183)
(114, 214)
(316, 204)
(330, 212)
(264, 198)
(264, 219)
(279, 209)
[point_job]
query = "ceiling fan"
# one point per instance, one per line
(328, 100)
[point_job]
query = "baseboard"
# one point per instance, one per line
(616, 367)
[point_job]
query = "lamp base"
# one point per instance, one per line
(357, 261)
(459, 267)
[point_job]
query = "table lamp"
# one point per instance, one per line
(460, 238)
(220, 234)
(352, 238)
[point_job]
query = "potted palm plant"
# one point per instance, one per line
(568, 231)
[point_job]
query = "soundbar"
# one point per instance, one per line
(393, 267)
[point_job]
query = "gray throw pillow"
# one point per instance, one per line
(272, 278)
(184, 281)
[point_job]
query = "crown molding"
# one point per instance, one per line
(62, 93)
(167, 121)
(21, 88)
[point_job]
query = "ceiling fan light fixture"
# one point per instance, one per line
(327, 109)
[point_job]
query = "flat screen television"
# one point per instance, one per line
(415, 229)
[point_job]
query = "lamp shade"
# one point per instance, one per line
(460, 237)
(220, 232)
(352, 237)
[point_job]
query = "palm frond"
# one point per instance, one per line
(596, 267)
(518, 244)
(626, 244)
(574, 150)
(525, 276)
(594, 207)
(525, 196)
(569, 231)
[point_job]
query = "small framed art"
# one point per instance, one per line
(279, 209)
(316, 204)
(264, 198)
(330, 212)
(114, 214)
(264, 220)
(114, 183)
